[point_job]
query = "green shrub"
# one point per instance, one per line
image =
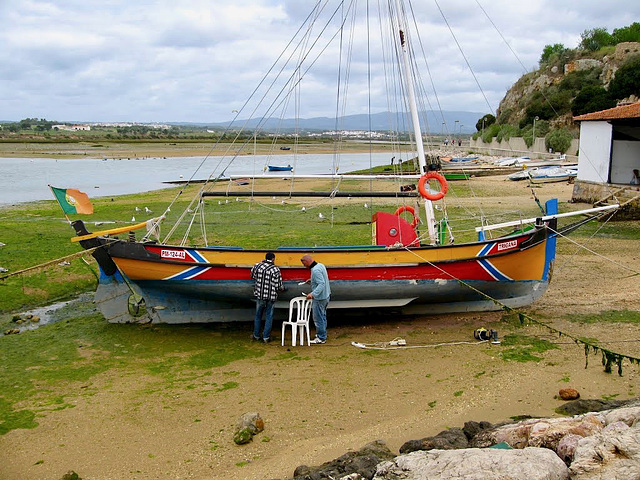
(596, 38)
(591, 99)
(506, 132)
(490, 132)
(558, 140)
(575, 81)
(626, 80)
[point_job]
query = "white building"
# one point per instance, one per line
(71, 128)
(608, 155)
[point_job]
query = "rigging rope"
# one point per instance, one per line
(463, 55)
(609, 357)
(396, 345)
(635, 272)
(40, 266)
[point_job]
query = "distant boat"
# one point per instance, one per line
(285, 148)
(552, 174)
(508, 162)
(546, 174)
(456, 176)
(280, 168)
(463, 159)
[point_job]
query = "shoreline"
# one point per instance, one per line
(124, 150)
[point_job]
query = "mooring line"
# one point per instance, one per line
(608, 356)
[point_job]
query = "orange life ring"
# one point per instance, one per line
(412, 211)
(444, 187)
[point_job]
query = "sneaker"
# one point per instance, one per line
(317, 341)
(254, 339)
(266, 340)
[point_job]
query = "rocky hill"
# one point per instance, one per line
(548, 93)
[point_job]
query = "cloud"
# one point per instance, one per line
(156, 60)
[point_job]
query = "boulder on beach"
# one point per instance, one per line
(475, 463)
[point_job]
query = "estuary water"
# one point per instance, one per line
(27, 179)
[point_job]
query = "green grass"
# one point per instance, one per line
(608, 316)
(522, 348)
(624, 230)
(41, 370)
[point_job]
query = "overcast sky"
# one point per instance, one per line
(198, 60)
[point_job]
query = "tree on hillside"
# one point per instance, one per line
(626, 80)
(485, 122)
(553, 53)
(594, 39)
(627, 34)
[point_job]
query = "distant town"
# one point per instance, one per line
(42, 130)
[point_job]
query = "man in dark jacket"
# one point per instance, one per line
(268, 283)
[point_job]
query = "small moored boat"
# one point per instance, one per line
(280, 168)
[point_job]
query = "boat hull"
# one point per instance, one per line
(205, 303)
(188, 285)
(277, 168)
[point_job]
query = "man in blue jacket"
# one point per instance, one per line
(320, 294)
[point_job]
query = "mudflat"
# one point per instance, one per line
(142, 149)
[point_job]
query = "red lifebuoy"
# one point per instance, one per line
(444, 187)
(412, 211)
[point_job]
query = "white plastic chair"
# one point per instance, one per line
(299, 322)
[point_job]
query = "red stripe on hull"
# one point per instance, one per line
(465, 270)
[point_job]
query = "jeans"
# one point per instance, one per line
(266, 307)
(319, 309)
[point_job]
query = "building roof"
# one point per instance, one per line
(616, 113)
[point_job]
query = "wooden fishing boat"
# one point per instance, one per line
(404, 268)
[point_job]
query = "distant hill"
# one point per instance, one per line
(461, 122)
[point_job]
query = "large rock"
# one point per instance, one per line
(472, 428)
(251, 420)
(248, 425)
(578, 407)
(548, 434)
(540, 432)
(452, 439)
(613, 454)
(475, 464)
(628, 415)
(569, 394)
(351, 465)
(567, 447)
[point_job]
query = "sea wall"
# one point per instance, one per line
(626, 195)
(516, 147)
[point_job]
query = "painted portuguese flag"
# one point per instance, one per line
(72, 200)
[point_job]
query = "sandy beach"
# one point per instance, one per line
(318, 402)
